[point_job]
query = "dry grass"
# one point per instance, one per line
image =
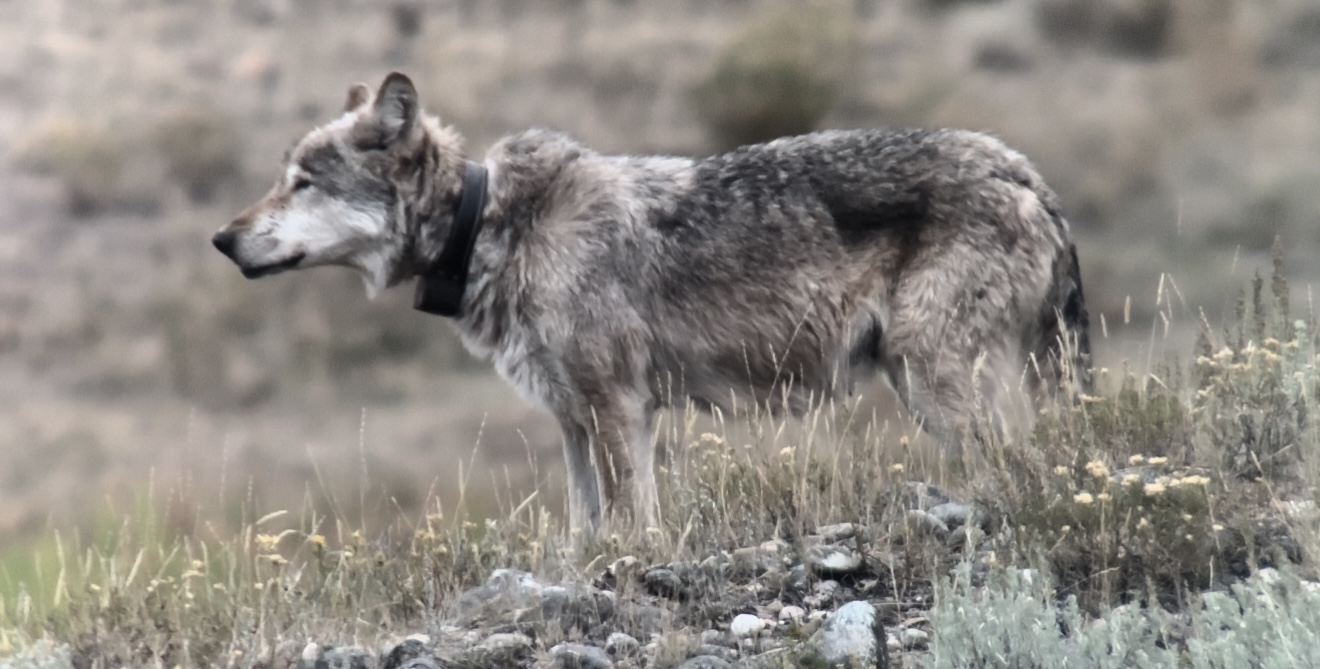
(132, 346)
(1146, 493)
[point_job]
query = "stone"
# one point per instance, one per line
(663, 582)
(746, 625)
(822, 595)
(503, 648)
(833, 560)
(922, 522)
(619, 644)
(852, 636)
(952, 513)
(705, 662)
(580, 656)
(915, 639)
(516, 596)
(836, 532)
(792, 613)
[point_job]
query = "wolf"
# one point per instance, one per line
(606, 288)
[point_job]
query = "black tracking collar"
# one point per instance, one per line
(440, 289)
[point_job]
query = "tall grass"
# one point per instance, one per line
(1174, 480)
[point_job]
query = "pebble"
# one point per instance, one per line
(746, 625)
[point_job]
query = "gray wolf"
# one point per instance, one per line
(608, 287)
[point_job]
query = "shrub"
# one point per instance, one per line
(87, 159)
(778, 78)
(201, 148)
(1267, 621)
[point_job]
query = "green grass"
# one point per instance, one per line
(1169, 483)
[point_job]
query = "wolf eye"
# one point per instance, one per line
(301, 183)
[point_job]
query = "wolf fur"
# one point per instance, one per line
(608, 287)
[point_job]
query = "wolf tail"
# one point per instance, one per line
(1065, 343)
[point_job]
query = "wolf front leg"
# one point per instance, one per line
(584, 499)
(624, 454)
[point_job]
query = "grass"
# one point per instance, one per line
(1168, 484)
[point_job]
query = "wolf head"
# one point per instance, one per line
(349, 192)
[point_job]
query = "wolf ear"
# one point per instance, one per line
(358, 94)
(396, 106)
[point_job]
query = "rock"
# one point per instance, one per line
(915, 639)
(501, 649)
(833, 560)
(792, 613)
(965, 536)
(347, 657)
(710, 650)
(952, 514)
(622, 570)
(822, 595)
(663, 582)
(925, 495)
(619, 644)
(746, 625)
(642, 620)
(837, 532)
(705, 662)
(922, 522)
(852, 637)
(580, 656)
(799, 578)
(754, 560)
(511, 595)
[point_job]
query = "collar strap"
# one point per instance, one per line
(440, 289)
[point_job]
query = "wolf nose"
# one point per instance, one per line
(224, 242)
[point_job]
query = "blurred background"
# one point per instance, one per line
(137, 364)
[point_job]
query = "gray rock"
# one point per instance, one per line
(836, 532)
(852, 636)
(501, 649)
(717, 651)
(799, 579)
(705, 662)
(822, 595)
(619, 644)
(792, 613)
(833, 560)
(714, 636)
(922, 522)
(346, 657)
(663, 582)
(915, 639)
(580, 656)
(516, 596)
(758, 559)
(746, 625)
(411, 654)
(925, 495)
(952, 513)
(963, 536)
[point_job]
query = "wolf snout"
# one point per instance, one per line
(225, 241)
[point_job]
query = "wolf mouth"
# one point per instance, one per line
(274, 268)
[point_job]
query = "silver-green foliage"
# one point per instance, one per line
(1270, 621)
(41, 655)
(1264, 622)
(1014, 622)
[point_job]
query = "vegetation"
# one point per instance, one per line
(779, 77)
(1136, 520)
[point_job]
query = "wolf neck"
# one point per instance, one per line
(427, 201)
(441, 287)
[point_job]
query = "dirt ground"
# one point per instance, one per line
(133, 358)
